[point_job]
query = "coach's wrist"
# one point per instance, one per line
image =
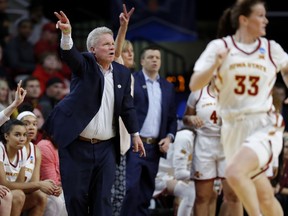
(135, 134)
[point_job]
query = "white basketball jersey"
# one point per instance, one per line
(183, 150)
(30, 161)
(205, 104)
(12, 168)
(245, 80)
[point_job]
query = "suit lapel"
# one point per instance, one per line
(143, 85)
(163, 97)
(117, 86)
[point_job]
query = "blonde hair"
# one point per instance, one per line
(126, 44)
(125, 47)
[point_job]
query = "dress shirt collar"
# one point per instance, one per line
(106, 71)
(147, 78)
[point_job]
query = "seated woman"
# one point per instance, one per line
(173, 176)
(7, 196)
(12, 171)
(33, 164)
(50, 170)
(26, 196)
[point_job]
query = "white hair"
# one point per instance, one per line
(95, 34)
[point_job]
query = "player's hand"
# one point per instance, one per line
(20, 94)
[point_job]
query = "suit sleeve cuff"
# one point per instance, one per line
(171, 136)
(135, 134)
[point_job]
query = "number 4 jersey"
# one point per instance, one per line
(204, 103)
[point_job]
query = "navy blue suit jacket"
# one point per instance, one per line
(168, 106)
(73, 113)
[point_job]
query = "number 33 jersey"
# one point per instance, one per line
(245, 79)
(247, 75)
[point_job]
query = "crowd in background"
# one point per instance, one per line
(29, 59)
(29, 46)
(29, 51)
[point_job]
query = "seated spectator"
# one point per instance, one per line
(48, 41)
(12, 174)
(5, 94)
(34, 157)
(32, 85)
(40, 121)
(50, 170)
(49, 67)
(11, 171)
(36, 15)
(19, 52)
(4, 71)
(19, 96)
(11, 202)
(53, 94)
(4, 23)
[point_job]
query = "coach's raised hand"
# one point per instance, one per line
(63, 23)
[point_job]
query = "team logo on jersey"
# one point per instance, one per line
(183, 151)
(271, 133)
(31, 159)
(262, 52)
(197, 174)
(261, 56)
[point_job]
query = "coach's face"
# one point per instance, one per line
(104, 50)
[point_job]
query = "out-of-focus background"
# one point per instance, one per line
(182, 27)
